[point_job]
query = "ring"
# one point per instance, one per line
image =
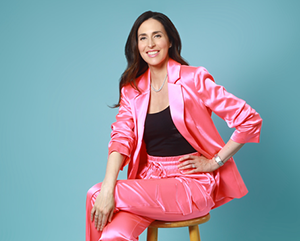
(193, 166)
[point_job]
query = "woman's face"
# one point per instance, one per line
(153, 43)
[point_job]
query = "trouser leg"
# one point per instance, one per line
(169, 199)
(125, 226)
(92, 234)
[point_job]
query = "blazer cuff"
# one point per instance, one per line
(244, 138)
(122, 149)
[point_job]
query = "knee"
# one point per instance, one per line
(92, 193)
(94, 189)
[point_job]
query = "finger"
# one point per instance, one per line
(110, 216)
(99, 222)
(92, 214)
(185, 165)
(190, 171)
(103, 222)
(184, 158)
(187, 157)
(96, 220)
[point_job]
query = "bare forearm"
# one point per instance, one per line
(103, 208)
(229, 150)
(195, 164)
(114, 163)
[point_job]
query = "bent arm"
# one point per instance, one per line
(235, 111)
(104, 206)
(114, 163)
(203, 164)
(123, 138)
(229, 150)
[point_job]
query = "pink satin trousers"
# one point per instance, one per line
(162, 192)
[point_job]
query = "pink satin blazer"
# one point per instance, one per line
(193, 95)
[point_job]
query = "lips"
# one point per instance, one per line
(152, 53)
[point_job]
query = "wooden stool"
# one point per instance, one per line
(192, 224)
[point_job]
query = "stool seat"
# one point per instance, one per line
(191, 223)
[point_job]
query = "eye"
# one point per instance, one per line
(142, 38)
(157, 35)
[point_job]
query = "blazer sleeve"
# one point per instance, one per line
(236, 112)
(122, 134)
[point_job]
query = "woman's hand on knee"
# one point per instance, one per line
(103, 209)
(194, 164)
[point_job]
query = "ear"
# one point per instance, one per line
(170, 45)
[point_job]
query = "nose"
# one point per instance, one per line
(151, 43)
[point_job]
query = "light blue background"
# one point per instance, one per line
(60, 62)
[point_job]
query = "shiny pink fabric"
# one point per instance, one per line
(193, 96)
(162, 192)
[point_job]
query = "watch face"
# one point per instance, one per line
(218, 160)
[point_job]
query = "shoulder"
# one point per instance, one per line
(199, 70)
(196, 74)
(130, 91)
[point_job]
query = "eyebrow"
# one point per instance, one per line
(155, 32)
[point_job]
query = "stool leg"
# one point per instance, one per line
(194, 233)
(152, 234)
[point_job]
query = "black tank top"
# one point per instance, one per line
(162, 137)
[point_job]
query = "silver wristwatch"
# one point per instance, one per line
(218, 160)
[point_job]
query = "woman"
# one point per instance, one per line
(179, 167)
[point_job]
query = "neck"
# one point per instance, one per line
(158, 73)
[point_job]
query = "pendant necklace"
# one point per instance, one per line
(161, 85)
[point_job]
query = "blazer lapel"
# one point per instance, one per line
(176, 100)
(177, 107)
(141, 103)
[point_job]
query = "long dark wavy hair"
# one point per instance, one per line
(136, 66)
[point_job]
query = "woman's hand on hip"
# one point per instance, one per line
(103, 209)
(194, 164)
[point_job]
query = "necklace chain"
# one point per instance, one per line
(160, 86)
